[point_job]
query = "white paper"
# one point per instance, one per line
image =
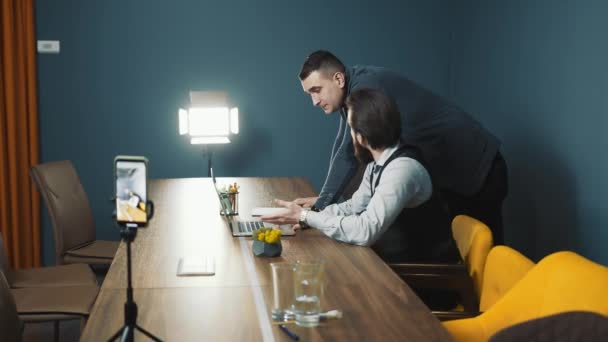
(201, 265)
(267, 211)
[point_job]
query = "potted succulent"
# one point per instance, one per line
(267, 242)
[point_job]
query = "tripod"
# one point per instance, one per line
(128, 233)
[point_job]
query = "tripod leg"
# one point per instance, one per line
(143, 331)
(127, 334)
(115, 336)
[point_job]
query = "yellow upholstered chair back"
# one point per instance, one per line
(504, 268)
(562, 281)
(474, 241)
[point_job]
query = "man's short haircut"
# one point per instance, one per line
(375, 116)
(321, 60)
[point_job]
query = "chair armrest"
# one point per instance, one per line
(440, 276)
(431, 269)
(450, 315)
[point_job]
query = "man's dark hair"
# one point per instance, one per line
(375, 116)
(321, 60)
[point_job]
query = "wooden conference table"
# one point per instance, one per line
(235, 303)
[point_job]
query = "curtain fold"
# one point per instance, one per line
(19, 138)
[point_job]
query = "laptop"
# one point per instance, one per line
(243, 227)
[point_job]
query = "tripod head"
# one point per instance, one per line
(128, 230)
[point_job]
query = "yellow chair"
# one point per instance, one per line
(561, 282)
(474, 240)
(504, 268)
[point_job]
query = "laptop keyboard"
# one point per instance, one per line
(249, 226)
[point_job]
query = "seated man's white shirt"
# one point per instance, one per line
(361, 220)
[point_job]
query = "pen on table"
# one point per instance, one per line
(289, 332)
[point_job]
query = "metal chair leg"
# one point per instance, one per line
(56, 331)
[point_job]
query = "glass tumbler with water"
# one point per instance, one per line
(282, 291)
(309, 278)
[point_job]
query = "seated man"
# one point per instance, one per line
(462, 157)
(395, 209)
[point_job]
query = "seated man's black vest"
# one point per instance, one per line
(420, 234)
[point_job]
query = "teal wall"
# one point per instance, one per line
(126, 66)
(533, 72)
(536, 74)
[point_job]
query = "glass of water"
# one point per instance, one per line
(282, 291)
(308, 287)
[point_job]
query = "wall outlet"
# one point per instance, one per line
(48, 46)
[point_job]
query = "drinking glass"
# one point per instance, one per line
(308, 289)
(282, 291)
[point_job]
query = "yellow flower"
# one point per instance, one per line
(273, 236)
(267, 235)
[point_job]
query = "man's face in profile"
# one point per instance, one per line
(325, 89)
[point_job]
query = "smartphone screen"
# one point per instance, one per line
(131, 190)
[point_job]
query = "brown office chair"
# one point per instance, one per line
(474, 240)
(10, 325)
(56, 293)
(71, 216)
(64, 275)
(54, 304)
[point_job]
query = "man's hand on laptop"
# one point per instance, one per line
(306, 202)
(290, 216)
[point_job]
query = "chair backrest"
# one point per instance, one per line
(563, 327)
(560, 282)
(504, 268)
(67, 203)
(10, 325)
(474, 241)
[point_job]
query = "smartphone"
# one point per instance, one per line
(131, 180)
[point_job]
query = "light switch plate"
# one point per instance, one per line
(48, 46)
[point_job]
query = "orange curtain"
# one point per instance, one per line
(19, 199)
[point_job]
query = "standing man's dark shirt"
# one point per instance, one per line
(460, 153)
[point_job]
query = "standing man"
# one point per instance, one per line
(462, 157)
(395, 210)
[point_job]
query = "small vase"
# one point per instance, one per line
(267, 249)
